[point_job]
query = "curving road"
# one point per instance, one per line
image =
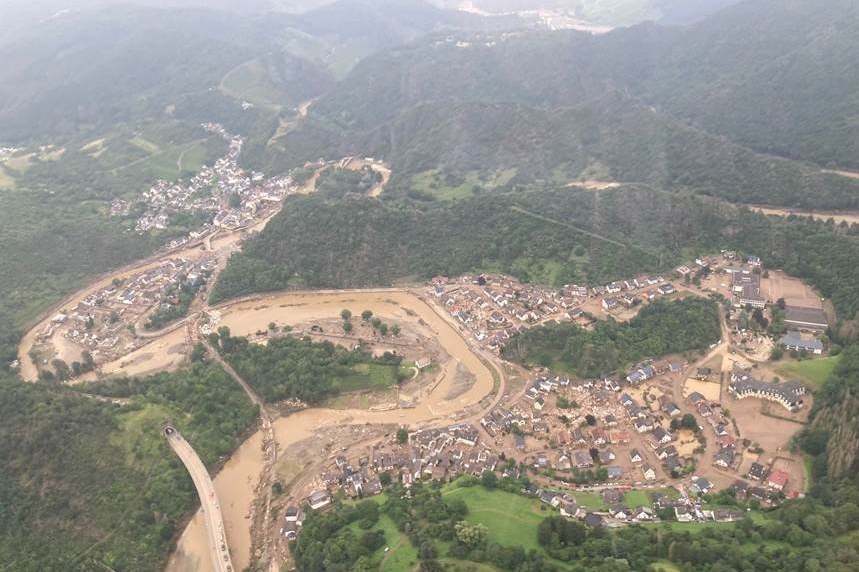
(220, 552)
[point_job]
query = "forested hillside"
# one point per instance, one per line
(782, 69)
(613, 137)
(85, 484)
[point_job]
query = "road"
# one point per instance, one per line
(220, 552)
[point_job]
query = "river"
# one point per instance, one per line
(235, 482)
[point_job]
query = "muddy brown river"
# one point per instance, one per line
(236, 480)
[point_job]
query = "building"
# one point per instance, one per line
(788, 394)
(794, 341)
(747, 290)
(800, 318)
(777, 480)
(318, 499)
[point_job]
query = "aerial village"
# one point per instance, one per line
(123, 315)
(231, 196)
(691, 427)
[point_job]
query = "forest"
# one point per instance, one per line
(98, 479)
(660, 328)
(288, 367)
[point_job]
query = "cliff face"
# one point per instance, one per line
(840, 419)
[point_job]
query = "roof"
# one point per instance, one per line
(806, 316)
(793, 339)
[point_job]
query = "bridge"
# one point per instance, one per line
(220, 552)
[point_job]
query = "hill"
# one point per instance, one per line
(87, 484)
(611, 138)
(776, 65)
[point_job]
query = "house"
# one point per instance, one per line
(643, 514)
(753, 261)
(670, 408)
(583, 459)
(619, 512)
(757, 472)
(635, 456)
(793, 341)
(571, 510)
(593, 520)
(648, 472)
(724, 458)
(740, 488)
(609, 303)
(606, 456)
(614, 472)
(318, 499)
(666, 452)
(612, 496)
(777, 480)
(291, 514)
(701, 485)
(683, 514)
(661, 436)
(802, 318)
(547, 497)
(643, 425)
(676, 366)
(727, 515)
(290, 531)
(666, 289)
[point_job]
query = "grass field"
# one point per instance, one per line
(510, 518)
(811, 371)
(250, 82)
(591, 500)
(401, 555)
(369, 377)
(431, 182)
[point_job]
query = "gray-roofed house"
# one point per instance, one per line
(794, 341)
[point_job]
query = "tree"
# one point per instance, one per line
(395, 330)
(345, 314)
(366, 315)
(777, 352)
(489, 479)
(402, 435)
(689, 422)
(347, 327)
(590, 420)
(272, 326)
(383, 329)
(376, 322)
(471, 535)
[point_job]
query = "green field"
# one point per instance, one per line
(510, 518)
(811, 371)
(401, 555)
(250, 82)
(432, 182)
(368, 376)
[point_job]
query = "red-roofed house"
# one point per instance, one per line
(777, 480)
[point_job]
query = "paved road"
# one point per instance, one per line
(220, 552)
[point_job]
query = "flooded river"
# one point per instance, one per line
(235, 482)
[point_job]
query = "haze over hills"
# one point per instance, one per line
(395, 101)
(498, 145)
